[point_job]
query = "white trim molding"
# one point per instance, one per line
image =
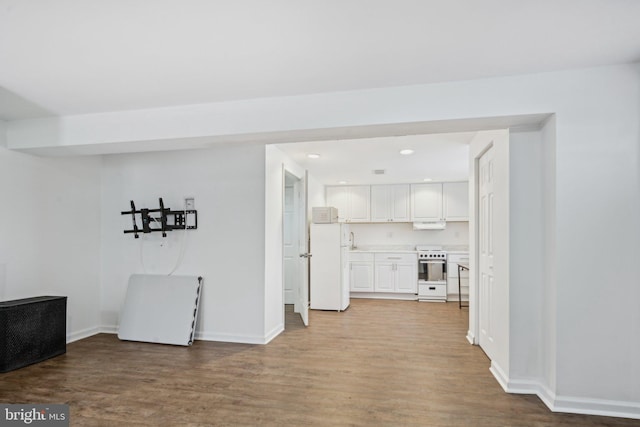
(500, 376)
(240, 339)
(274, 333)
(566, 404)
(84, 333)
(471, 338)
(204, 336)
(108, 329)
(607, 408)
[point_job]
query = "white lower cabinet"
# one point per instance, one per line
(384, 272)
(396, 273)
(452, 276)
(407, 278)
(361, 272)
(385, 277)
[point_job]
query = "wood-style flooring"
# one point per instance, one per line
(380, 363)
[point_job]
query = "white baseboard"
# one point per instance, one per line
(384, 295)
(274, 333)
(108, 329)
(607, 408)
(471, 338)
(209, 336)
(500, 376)
(566, 404)
(84, 333)
(240, 339)
(454, 298)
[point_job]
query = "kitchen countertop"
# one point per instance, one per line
(459, 249)
(410, 249)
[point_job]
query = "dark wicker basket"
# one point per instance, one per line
(32, 330)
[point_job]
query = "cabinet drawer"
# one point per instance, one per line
(396, 257)
(432, 291)
(462, 258)
(361, 256)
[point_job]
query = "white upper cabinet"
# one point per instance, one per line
(360, 203)
(426, 202)
(390, 203)
(353, 202)
(400, 202)
(338, 198)
(456, 201)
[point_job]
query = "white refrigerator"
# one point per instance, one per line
(329, 269)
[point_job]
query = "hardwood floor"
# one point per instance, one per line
(292, 320)
(390, 363)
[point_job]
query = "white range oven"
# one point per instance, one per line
(432, 273)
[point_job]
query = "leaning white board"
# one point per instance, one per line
(160, 309)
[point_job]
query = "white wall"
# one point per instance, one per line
(597, 171)
(315, 193)
(455, 234)
(50, 233)
(596, 157)
(227, 249)
(526, 254)
(548, 348)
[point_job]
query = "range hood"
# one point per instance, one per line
(430, 225)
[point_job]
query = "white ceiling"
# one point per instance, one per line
(82, 56)
(439, 157)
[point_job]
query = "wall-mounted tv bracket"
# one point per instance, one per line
(167, 220)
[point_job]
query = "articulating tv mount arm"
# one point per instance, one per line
(182, 220)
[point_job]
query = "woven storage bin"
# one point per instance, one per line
(32, 330)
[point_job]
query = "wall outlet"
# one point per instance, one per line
(189, 203)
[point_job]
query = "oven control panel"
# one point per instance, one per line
(432, 255)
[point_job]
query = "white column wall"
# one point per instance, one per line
(597, 205)
(527, 263)
(548, 347)
(50, 233)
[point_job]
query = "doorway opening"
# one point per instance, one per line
(295, 260)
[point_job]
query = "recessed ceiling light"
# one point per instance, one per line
(342, 182)
(406, 151)
(427, 179)
(313, 156)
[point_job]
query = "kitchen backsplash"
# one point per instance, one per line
(455, 234)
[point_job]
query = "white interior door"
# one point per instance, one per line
(300, 204)
(486, 234)
(290, 243)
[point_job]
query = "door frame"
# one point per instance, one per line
(302, 221)
(484, 141)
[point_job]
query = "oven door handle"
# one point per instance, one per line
(435, 261)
